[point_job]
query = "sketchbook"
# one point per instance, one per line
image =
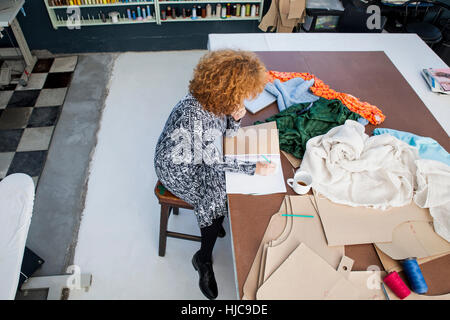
(255, 144)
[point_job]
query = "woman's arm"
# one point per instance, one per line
(232, 126)
(212, 156)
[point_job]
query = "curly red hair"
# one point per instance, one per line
(223, 79)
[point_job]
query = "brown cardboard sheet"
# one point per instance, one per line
(300, 230)
(305, 275)
(274, 229)
(346, 225)
(390, 264)
(371, 77)
(414, 239)
(295, 163)
(279, 228)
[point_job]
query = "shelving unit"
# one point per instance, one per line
(209, 19)
(59, 13)
(201, 1)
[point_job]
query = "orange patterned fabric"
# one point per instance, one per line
(319, 88)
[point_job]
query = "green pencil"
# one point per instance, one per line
(266, 159)
(297, 215)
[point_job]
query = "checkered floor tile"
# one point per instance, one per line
(28, 116)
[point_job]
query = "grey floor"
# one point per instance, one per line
(119, 232)
(94, 205)
(60, 193)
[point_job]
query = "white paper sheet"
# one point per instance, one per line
(256, 184)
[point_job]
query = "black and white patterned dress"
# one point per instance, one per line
(188, 162)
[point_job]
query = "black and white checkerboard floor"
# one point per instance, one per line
(28, 116)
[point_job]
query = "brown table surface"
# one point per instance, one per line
(371, 77)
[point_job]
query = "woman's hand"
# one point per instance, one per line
(239, 114)
(265, 168)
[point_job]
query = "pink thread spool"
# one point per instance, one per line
(396, 284)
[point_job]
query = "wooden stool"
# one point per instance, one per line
(170, 203)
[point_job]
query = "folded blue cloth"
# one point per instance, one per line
(291, 92)
(363, 121)
(428, 148)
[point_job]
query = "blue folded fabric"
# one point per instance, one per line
(428, 148)
(363, 121)
(291, 92)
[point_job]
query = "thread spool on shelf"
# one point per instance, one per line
(253, 11)
(223, 15)
(243, 8)
(114, 16)
(218, 10)
(247, 10)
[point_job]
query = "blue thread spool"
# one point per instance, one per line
(415, 276)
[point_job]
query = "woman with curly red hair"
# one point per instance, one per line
(186, 160)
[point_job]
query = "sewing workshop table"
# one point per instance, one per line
(383, 69)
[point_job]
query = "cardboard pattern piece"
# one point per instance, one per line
(274, 229)
(368, 284)
(305, 275)
(300, 230)
(254, 140)
(345, 225)
(414, 239)
(295, 162)
(390, 264)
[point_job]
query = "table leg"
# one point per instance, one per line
(30, 60)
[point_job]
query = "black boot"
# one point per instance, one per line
(207, 282)
(222, 232)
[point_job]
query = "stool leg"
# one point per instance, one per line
(163, 229)
(175, 211)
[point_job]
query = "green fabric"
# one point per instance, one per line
(295, 130)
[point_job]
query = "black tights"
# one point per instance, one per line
(209, 237)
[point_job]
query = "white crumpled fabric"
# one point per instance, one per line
(433, 191)
(351, 168)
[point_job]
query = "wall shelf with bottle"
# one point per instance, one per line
(101, 12)
(183, 11)
(110, 12)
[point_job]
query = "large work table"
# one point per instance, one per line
(369, 75)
